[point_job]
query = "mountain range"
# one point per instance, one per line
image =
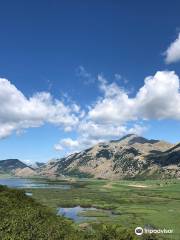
(131, 157)
(15, 167)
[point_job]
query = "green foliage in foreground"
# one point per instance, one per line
(22, 218)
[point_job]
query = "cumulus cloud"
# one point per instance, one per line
(116, 114)
(113, 107)
(18, 112)
(91, 134)
(159, 98)
(111, 116)
(172, 54)
(66, 143)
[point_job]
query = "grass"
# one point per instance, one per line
(157, 204)
(23, 218)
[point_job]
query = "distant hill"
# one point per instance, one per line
(37, 165)
(9, 165)
(15, 167)
(129, 157)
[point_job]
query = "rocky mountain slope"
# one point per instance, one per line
(15, 167)
(130, 157)
(37, 165)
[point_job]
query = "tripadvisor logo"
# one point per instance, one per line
(139, 231)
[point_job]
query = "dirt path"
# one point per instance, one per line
(108, 185)
(138, 186)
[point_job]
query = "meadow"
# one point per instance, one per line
(154, 203)
(23, 218)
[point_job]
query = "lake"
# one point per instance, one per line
(82, 214)
(31, 183)
(74, 213)
(77, 213)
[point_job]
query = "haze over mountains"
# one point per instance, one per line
(129, 157)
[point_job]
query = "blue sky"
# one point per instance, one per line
(88, 56)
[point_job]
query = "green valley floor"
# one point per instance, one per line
(154, 203)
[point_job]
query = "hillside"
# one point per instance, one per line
(15, 167)
(23, 218)
(129, 157)
(37, 165)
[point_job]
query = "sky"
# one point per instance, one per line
(75, 73)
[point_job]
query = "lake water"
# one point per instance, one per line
(31, 183)
(74, 213)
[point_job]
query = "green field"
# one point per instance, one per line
(23, 218)
(133, 203)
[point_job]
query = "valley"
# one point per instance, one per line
(124, 183)
(131, 205)
(153, 203)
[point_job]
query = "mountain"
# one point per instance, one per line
(15, 167)
(37, 165)
(129, 157)
(10, 164)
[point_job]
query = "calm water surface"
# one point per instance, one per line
(74, 213)
(31, 183)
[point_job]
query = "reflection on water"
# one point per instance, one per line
(74, 213)
(29, 183)
(28, 194)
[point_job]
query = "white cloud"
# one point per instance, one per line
(113, 115)
(159, 98)
(18, 112)
(66, 143)
(117, 76)
(87, 77)
(27, 161)
(172, 54)
(113, 107)
(58, 147)
(91, 134)
(116, 114)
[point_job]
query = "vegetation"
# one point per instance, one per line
(76, 173)
(133, 203)
(22, 218)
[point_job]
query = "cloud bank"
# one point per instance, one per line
(112, 115)
(109, 116)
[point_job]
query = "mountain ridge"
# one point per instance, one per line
(16, 167)
(132, 156)
(129, 157)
